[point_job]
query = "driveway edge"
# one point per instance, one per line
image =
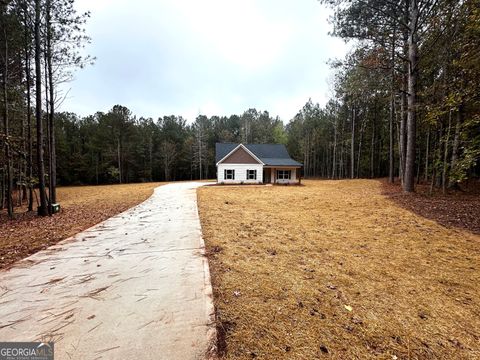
(210, 308)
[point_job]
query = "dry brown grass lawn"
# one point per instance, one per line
(335, 269)
(82, 207)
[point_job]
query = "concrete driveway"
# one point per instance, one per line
(136, 286)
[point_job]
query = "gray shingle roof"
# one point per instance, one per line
(270, 154)
(222, 149)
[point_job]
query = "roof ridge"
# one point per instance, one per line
(238, 143)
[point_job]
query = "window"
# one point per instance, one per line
(284, 174)
(251, 174)
(229, 174)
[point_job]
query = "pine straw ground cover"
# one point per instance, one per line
(457, 208)
(82, 207)
(335, 269)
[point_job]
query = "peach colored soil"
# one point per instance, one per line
(336, 269)
(82, 207)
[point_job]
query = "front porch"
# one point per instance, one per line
(281, 175)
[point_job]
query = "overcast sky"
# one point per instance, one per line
(212, 57)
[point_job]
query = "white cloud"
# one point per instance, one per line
(213, 56)
(237, 31)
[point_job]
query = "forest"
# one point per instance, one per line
(405, 105)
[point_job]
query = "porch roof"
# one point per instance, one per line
(281, 162)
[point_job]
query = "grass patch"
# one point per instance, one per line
(336, 269)
(82, 207)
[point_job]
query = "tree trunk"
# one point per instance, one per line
(409, 181)
(372, 145)
(305, 165)
(397, 128)
(402, 136)
(391, 160)
(96, 168)
(359, 155)
(427, 151)
(6, 126)
(438, 155)
(43, 211)
(150, 158)
(47, 126)
(2, 189)
(342, 171)
(334, 152)
(352, 148)
(419, 161)
(445, 154)
(29, 111)
(456, 144)
(165, 165)
(404, 103)
(200, 149)
(52, 166)
(119, 161)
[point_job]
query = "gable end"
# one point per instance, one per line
(240, 156)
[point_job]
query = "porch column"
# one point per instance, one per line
(272, 176)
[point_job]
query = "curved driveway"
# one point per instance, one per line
(136, 286)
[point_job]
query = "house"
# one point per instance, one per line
(255, 164)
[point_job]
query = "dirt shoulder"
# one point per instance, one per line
(82, 207)
(338, 269)
(456, 208)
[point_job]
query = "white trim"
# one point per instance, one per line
(284, 172)
(254, 174)
(226, 175)
(245, 148)
(294, 176)
(234, 164)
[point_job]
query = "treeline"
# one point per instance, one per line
(40, 42)
(117, 147)
(406, 104)
(407, 98)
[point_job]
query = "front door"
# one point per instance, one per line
(267, 175)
